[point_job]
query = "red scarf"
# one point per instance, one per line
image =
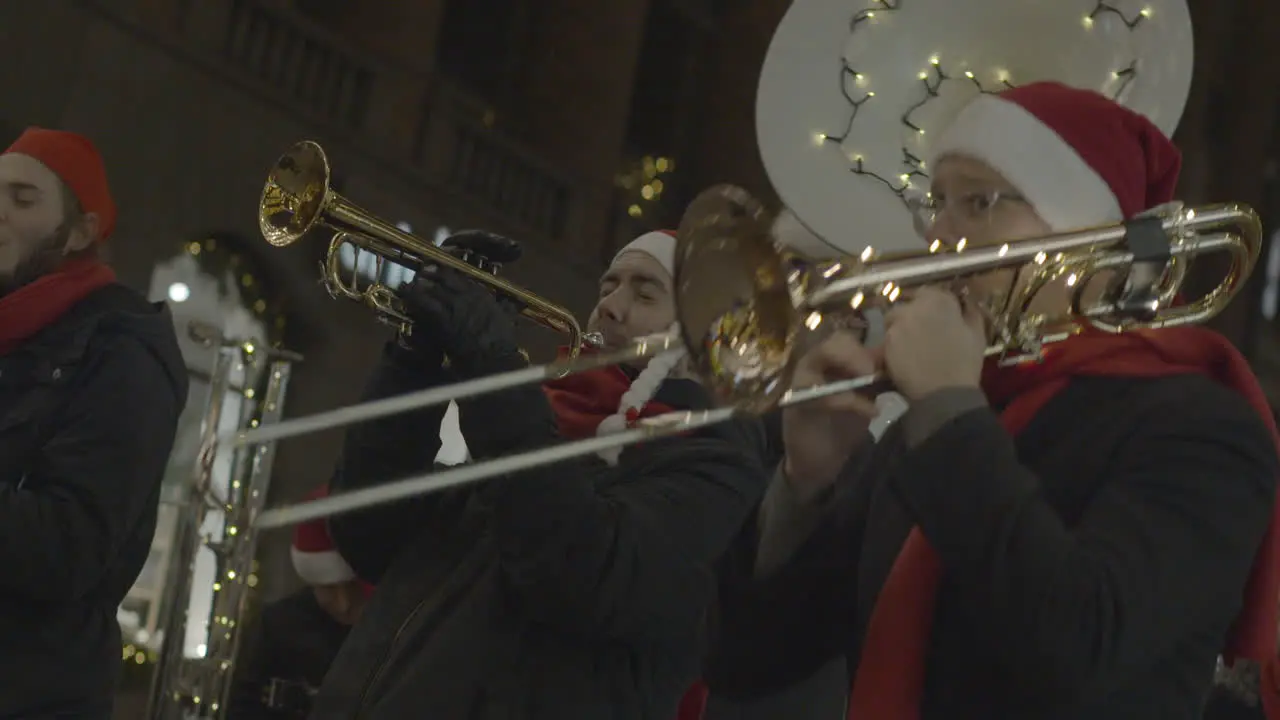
(890, 678)
(31, 308)
(582, 401)
(694, 702)
(1269, 687)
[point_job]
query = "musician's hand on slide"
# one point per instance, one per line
(933, 341)
(820, 436)
(463, 319)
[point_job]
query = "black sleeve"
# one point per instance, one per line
(253, 670)
(384, 450)
(631, 560)
(1168, 541)
(93, 481)
(770, 633)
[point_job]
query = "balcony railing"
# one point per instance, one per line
(323, 79)
(457, 145)
(310, 71)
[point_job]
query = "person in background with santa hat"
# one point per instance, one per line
(571, 591)
(292, 643)
(91, 386)
(1075, 538)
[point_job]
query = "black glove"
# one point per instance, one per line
(461, 318)
(483, 249)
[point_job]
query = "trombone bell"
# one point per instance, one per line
(734, 296)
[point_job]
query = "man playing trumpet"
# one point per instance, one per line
(572, 591)
(1075, 538)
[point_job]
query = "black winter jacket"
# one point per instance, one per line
(88, 412)
(1092, 565)
(294, 640)
(572, 591)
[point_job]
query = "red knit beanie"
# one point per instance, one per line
(75, 160)
(315, 557)
(1078, 157)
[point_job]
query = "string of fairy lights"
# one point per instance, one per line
(137, 651)
(218, 258)
(932, 79)
(644, 183)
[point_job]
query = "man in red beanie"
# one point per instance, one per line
(91, 385)
(577, 590)
(291, 645)
(1077, 538)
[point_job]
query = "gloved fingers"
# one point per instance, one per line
(509, 305)
(425, 294)
(451, 280)
(431, 311)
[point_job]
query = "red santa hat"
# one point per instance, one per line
(315, 557)
(75, 160)
(1078, 157)
(661, 246)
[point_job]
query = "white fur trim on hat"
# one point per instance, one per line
(1066, 192)
(642, 390)
(658, 245)
(321, 568)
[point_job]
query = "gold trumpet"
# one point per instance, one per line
(298, 197)
(743, 306)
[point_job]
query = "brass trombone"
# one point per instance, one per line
(298, 197)
(743, 304)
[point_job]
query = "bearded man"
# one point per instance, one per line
(91, 386)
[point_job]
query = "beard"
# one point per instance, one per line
(46, 256)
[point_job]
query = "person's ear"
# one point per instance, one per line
(83, 235)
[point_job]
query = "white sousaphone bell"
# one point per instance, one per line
(851, 93)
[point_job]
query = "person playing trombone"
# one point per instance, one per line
(577, 590)
(1074, 538)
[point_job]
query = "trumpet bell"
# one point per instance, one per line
(295, 195)
(734, 294)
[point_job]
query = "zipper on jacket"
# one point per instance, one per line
(386, 656)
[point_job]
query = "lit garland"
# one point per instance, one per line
(135, 652)
(218, 258)
(136, 655)
(645, 181)
(932, 80)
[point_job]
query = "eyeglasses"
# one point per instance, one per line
(968, 210)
